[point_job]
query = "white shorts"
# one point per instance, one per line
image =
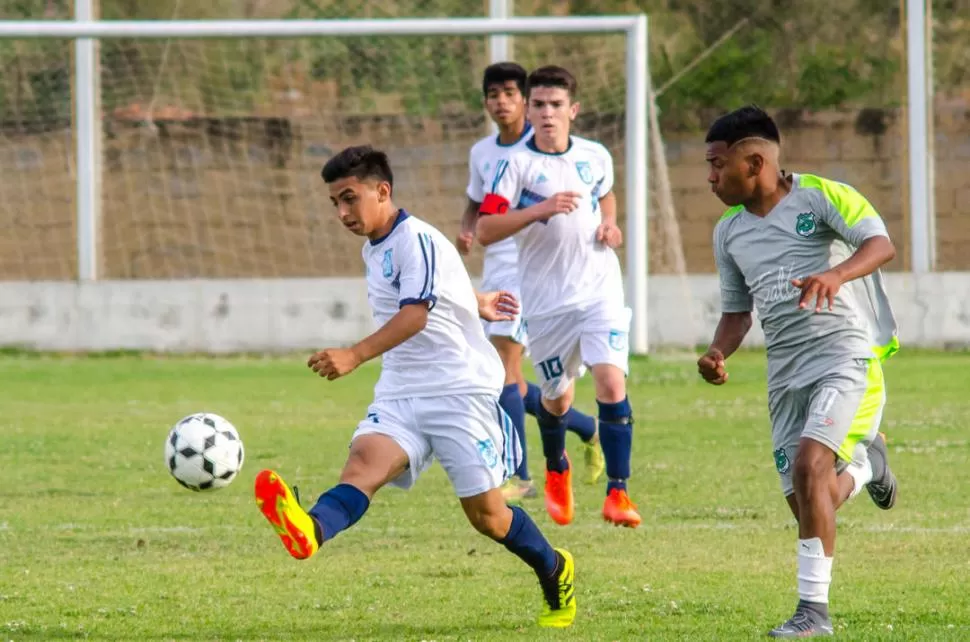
(514, 329)
(470, 435)
(562, 347)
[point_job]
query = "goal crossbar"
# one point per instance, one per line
(308, 28)
(86, 31)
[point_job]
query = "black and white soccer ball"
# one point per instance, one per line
(204, 452)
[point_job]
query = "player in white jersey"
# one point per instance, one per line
(555, 197)
(503, 86)
(437, 396)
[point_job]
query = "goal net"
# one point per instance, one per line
(211, 148)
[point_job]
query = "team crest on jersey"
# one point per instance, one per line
(805, 224)
(387, 266)
(487, 450)
(782, 463)
(617, 340)
(585, 172)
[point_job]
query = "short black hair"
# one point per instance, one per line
(552, 76)
(502, 72)
(746, 122)
(361, 162)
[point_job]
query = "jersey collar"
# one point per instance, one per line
(525, 132)
(401, 215)
(532, 145)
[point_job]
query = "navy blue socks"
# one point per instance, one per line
(526, 542)
(553, 431)
(514, 406)
(616, 439)
(338, 509)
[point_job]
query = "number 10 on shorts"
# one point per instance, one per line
(551, 368)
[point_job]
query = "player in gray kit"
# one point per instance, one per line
(805, 252)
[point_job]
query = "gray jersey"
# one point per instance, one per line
(816, 226)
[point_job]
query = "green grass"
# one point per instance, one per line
(97, 541)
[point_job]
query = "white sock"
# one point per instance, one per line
(814, 571)
(861, 472)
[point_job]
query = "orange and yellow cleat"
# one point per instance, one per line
(559, 495)
(619, 510)
(293, 524)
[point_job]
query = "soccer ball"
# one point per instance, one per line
(203, 452)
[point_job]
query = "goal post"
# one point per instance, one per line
(86, 32)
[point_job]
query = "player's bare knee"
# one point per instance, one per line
(562, 403)
(373, 461)
(558, 406)
(610, 383)
(813, 464)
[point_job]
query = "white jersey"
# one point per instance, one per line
(415, 263)
(561, 265)
(501, 259)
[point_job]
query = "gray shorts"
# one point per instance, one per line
(842, 410)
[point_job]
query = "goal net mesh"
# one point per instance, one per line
(212, 148)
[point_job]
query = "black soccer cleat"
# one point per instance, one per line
(809, 621)
(883, 487)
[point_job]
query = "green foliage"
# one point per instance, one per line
(827, 53)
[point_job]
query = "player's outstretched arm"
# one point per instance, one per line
(730, 332)
(497, 223)
(333, 363)
(497, 306)
(872, 254)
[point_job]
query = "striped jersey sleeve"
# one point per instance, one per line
(419, 272)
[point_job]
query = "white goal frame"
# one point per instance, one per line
(85, 32)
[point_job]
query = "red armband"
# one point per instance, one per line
(494, 204)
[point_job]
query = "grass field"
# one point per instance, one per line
(96, 540)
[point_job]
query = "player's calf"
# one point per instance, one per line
(373, 461)
(514, 529)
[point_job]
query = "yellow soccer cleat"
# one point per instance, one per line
(293, 524)
(515, 490)
(594, 461)
(559, 610)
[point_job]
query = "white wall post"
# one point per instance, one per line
(500, 44)
(637, 265)
(921, 214)
(87, 122)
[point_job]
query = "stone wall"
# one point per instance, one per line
(232, 198)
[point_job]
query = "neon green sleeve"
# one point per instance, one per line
(845, 210)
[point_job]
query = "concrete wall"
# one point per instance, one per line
(303, 314)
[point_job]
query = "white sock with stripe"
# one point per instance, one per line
(814, 571)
